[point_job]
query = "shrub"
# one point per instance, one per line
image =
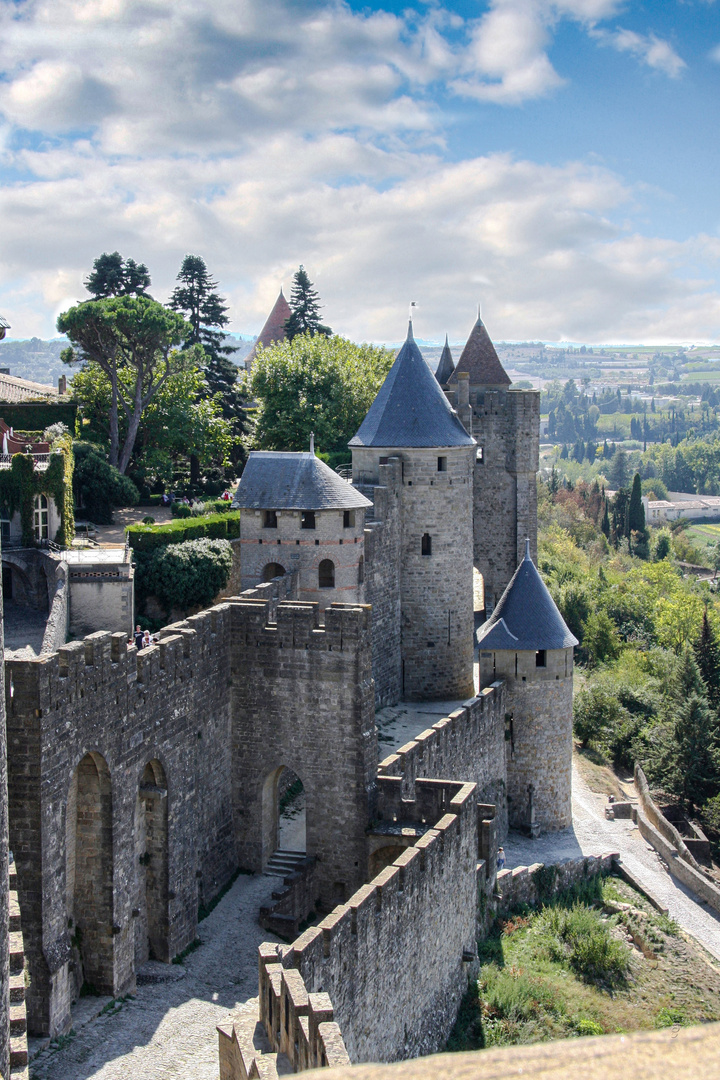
(191, 573)
(146, 538)
(180, 510)
(100, 486)
(595, 711)
(578, 936)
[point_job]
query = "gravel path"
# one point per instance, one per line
(167, 1032)
(593, 834)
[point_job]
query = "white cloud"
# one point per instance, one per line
(652, 50)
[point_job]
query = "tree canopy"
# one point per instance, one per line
(305, 308)
(315, 384)
(114, 276)
(133, 335)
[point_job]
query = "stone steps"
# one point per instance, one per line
(283, 863)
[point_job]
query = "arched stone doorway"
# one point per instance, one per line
(273, 570)
(151, 850)
(283, 814)
(89, 875)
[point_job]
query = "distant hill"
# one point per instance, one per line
(35, 359)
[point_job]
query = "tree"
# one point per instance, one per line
(619, 469)
(114, 276)
(197, 299)
(190, 574)
(305, 308)
(662, 545)
(132, 335)
(315, 384)
(636, 510)
(697, 771)
(600, 639)
(595, 711)
(98, 486)
(707, 655)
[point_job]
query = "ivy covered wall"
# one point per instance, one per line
(22, 482)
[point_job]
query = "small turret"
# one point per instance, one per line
(481, 361)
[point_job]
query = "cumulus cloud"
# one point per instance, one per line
(652, 50)
(265, 133)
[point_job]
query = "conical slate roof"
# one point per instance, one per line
(274, 328)
(527, 617)
(294, 481)
(480, 360)
(410, 408)
(446, 366)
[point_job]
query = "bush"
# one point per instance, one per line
(180, 510)
(191, 573)
(146, 538)
(581, 938)
(595, 712)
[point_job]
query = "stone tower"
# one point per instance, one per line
(506, 426)
(273, 331)
(411, 420)
(526, 643)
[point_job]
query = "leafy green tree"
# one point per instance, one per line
(132, 335)
(315, 384)
(114, 276)
(305, 309)
(619, 469)
(595, 711)
(662, 545)
(190, 574)
(97, 486)
(600, 638)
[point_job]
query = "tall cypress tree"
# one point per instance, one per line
(305, 309)
(636, 510)
(196, 297)
(707, 654)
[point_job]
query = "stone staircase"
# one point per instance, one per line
(18, 1017)
(283, 863)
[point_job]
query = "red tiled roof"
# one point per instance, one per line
(480, 360)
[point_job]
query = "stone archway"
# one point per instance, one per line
(89, 875)
(283, 814)
(151, 851)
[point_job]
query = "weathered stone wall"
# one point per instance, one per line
(56, 629)
(295, 548)
(4, 891)
(101, 702)
(101, 596)
(538, 883)
(303, 699)
(395, 959)
(470, 743)
(539, 747)
(382, 581)
(506, 425)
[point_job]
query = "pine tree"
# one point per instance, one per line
(697, 762)
(305, 306)
(636, 510)
(114, 276)
(196, 297)
(707, 654)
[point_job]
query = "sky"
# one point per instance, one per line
(556, 162)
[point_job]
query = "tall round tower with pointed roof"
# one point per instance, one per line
(527, 644)
(411, 420)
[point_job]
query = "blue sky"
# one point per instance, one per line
(557, 160)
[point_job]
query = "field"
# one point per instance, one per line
(703, 534)
(601, 962)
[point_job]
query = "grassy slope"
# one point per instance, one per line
(530, 988)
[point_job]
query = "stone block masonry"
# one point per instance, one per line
(303, 698)
(395, 960)
(470, 742)
(537, 884)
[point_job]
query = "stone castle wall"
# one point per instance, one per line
(506, 427)
(4, 891)
(539, 747)
(470, 743)
(303, 698)
(396, 957)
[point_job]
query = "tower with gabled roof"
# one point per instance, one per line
(411, 423)
(506, 426)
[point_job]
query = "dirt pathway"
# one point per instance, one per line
(593, 834)
(167, 1032)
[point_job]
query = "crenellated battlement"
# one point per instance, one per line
(296, 625)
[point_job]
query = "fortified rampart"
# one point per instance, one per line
(470, 742)
(408, 937)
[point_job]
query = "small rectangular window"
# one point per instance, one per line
(384, 460)
(308, 519)
(540, 658)
(270, 519)
(479, 454)
(426, 544)
(442, 464)
(348, 519)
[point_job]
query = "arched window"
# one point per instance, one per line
(427, 544)
(361, 570)
(326, 574)
(273, 570)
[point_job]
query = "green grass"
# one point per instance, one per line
(703, 534)
(596, 961)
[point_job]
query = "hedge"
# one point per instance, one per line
(36, 416)
(211, 526)
(200, 509)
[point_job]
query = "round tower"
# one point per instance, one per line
(411, 420)
(527, 645)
